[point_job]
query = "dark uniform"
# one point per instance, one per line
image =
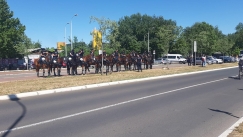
(92, 54)
(42, 55)
(55, 55)
(81, 53)
(72, 55)
(104, 53)
(116, 54)
(139, 63)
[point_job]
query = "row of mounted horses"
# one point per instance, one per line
(128, 61)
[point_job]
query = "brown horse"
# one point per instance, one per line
(89, 60)
(57, 64)
(108, 62)
(148, 61)
(45, 63)
(129, 61)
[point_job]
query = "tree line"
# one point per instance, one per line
(136, 32)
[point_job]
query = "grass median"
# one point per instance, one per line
(15, 87)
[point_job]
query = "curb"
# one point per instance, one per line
(44, 92)
(230, 129)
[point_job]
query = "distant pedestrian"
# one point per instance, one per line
(189, 60)
(203, 61)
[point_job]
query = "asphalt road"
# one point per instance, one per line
(7, 76)
(198, 105)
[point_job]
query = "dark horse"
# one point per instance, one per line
(45, 63)
(72, 65)
(148, 61)
(83, 63)
(57, 64)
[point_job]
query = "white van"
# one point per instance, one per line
(175, 58)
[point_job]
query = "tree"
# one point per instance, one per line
(11, 32)
(24, 45)
(135, 30)
(109, 31)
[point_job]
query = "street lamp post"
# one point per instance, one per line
(148, 41)
(65, 40)
(71, 31)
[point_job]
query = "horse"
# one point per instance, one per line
(148, 61)
(83, 63)
(45, 63)
(121, 60)
(134, 62)
(129, 61)
(72, 65)
(108, 61)
(89, 60)
(57, 64)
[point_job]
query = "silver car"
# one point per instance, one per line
(199, 61)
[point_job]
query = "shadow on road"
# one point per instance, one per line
(234, 77)
(16, 99)
(225, 112)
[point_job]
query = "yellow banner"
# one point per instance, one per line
(60, 45)
(97, 39)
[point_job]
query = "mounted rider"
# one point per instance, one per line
(145, 53)
(72, 55)
(116, 55)
(104, 53)
(55, 55)
(81, 54)
(43, 53)
(92, 54)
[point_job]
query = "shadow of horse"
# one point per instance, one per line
(22, 115)
(225, 112)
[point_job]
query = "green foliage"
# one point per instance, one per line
(11, 32)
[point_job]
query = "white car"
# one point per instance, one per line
(165, 61)
(219, 61)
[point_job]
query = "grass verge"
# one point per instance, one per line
(15, 87)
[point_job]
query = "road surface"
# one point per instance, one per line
(198, 105)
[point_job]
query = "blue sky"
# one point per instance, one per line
(45, 20)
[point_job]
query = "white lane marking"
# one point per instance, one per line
(105, 107)
(230, 129)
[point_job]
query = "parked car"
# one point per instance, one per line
(64, 64)
(214, 61)
(165, 61)
(176, 58)
(219, 61)
(199, 61)
(226, 59)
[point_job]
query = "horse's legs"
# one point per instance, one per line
(49, 71)
(76, 70)
(37, 71)
(43, 72)
(54, 70)
(71, 70)
(68, 69)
